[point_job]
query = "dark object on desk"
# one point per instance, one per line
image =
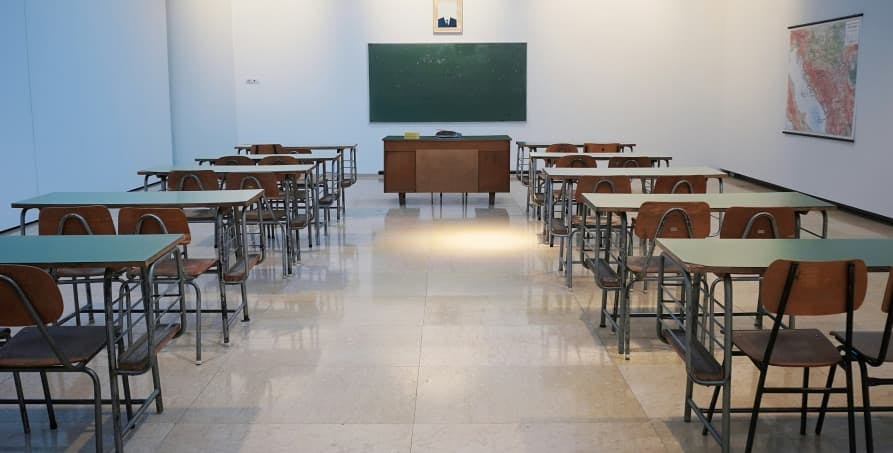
(447, 82)
(447, 134)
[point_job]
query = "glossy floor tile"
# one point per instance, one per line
(441, 327)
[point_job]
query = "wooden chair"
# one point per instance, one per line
(197, 180)
(629, 162)
(601, 147)
(266, 214)
(80, 220)
(267, 148)
(234, 160)
(868, 349)
(566, 188)
(173, 221)
(680, 184)
(30, 299)
(574, 219)
(755, 223)
(688, 220)
(279, 159)
(562, 148)
(818, 288)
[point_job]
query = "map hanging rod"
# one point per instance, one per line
(824, 21)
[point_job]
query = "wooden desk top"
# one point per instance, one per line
(447, 139)
(311, 147)
(180, 199)
(717, 201)
(599, 156)
(752, 256)
(109, 251)
(319, 155)
(638, 172)
(226, 169)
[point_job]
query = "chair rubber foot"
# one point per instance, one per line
(198, 362)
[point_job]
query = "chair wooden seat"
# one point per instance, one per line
(606, 276)
(28, 348)
(346, 182)
(201, 214)
(636, 265)
(192, 267)
(794, 347)
(271, 215)
(300, 221)
(74, 272)
(326, 200)
(867, 344)
(238, 271)
(136, 357)
(705, 367)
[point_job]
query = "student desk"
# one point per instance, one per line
(110, 252)
(234, 201)
(555, 175)
(350, 164)
(621, 204)
(309, 172)
(549, 157)
(525, 148)
(333, 182)
(698, 257)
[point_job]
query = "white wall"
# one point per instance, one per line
(754, 78)
(18, 172)
(597, 69)
(203, 92)
(89, 95)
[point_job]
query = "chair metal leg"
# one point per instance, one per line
(97, 407)
(804, 400)
(198, 322)
(77, 302)
(223, 311)
(866, 405)
(20, 394)
(89, 305)
(825, 398)
(850, 407)
(755, 412)
(712, 408)
(51, 413)
(244, 288)
(128, 398)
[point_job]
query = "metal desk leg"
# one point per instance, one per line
(113, 358)
(22, 221)
(547, 211)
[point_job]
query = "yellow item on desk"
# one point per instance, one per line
(411, 135)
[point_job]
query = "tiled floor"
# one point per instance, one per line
(433, 328)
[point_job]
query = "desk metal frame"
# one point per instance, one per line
(623, 204)
(699, 257)
(110, 252)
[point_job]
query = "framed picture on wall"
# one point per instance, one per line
(822, 61)
(447, 16)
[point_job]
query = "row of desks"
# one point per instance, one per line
(700, 257)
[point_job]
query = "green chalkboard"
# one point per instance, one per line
(447, 82)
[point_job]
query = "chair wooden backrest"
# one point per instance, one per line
(578, 161)
(562, 148)
(601, 147)
(265, 181)
(680, 184)
(21, 286)
(266, 148)
(279, 159)
(888, 294)
(629, 162)
(601, 184)
(234, 160)
(758, 223)
(75, 220)
(813, 288)
(193, 180)
(688, 220)
(154, 221)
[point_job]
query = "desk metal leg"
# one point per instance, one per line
(113, 359)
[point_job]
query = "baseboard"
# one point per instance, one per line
(843, 207)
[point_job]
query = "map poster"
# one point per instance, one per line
(822, 78)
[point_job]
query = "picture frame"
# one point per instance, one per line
(447, 16)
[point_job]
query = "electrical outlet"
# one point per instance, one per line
(251, 82)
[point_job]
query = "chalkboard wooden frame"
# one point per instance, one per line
(458, 82)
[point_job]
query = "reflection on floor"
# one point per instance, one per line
(433, 328)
